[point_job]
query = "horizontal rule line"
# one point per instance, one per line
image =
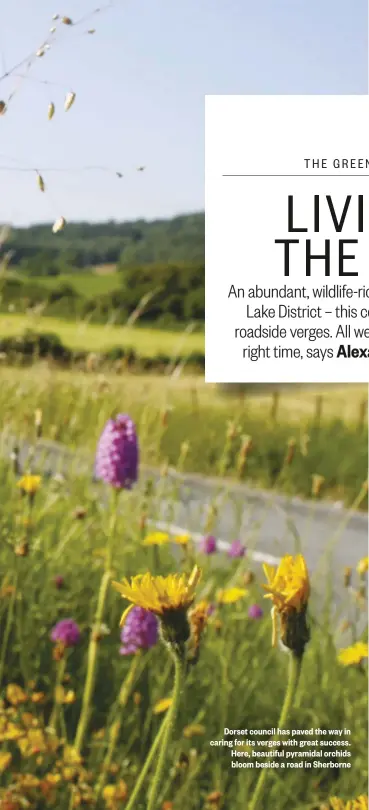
(295, 175)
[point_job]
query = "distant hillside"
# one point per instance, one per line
(82, 244)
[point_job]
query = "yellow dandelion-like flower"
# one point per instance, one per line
(5, 760)
(15, 694)
(59, 225)
(182, 539)
(53, 778)
(354, 654)
(229, 596)
(29, 484)
(156, 539)
(33, 743)
(162, 705)
(28, 781)
(288, 587)
(38, 697)
(363, 565)
(361, 803)
(69, 100)
(159, 594)
(113, 795)
(71, 756)
(51, 110)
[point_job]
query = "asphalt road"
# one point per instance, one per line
(270, 525)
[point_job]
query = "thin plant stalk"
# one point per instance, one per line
(147, 765)
(59, 681)
(7, 630)
(115, 728)
(95, 640)
(169, 725)
(294, 670)
(91, 667)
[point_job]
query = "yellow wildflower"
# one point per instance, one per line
(29, 483)
(38, 697)
(354, 654)
(33, 743)
(53, 778)
(115, 794)
(28, 781)
(182, 539)
(229, 596)
(361, 803)
(289, 589)
(63, 696)
(175, 592)
(288, 585)
(5, 760)
(11, 732)
(162, 705)
(156, 539)
(71, 756)
(15, 694)
(362, 565)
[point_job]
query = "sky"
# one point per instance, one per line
(140, 82)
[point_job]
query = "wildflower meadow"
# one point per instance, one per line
(131, 652)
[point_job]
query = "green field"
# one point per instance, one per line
(89, 284)
(98, 338)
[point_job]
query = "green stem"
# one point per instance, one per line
(91, 666)
(170, 721)
(146, 767)
(124, 694)
(8, 627)
(59, 681)
(293, 679)
(94, 641)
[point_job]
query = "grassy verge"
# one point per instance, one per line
(265, 441)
